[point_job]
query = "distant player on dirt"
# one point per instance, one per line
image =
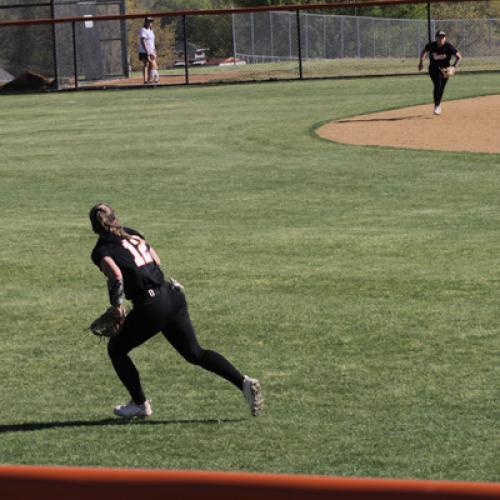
(440, 70)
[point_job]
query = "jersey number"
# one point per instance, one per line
(139, 251)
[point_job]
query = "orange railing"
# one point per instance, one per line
(78, 483)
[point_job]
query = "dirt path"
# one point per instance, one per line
(465, 125)
(168, 79)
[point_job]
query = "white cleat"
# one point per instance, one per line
(253, 395)
(437, 110)
(131, 410)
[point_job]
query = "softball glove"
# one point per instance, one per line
(109, 323)
(449, 71)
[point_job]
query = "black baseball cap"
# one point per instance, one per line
(440, 33)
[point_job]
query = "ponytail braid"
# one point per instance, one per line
(104, 221)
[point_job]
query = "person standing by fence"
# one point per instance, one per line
(440, 52)
(147, 52)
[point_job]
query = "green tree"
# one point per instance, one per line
(466, 10)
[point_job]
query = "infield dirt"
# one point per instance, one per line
(470, 125)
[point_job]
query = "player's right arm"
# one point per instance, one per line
(155, 256)
(115, 283)
(423, 55)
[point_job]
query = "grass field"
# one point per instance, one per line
(360, 284)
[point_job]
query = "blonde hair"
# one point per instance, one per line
(104, 221)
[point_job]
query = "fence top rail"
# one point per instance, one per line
(242, 10)
(24, 5)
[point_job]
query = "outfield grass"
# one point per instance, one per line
(325, 68)
(360, 284)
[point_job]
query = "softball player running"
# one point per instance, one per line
(440, 53)
(132, 269)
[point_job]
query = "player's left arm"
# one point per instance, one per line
(458, 58)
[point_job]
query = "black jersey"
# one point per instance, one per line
(140, 271)
(440, 57)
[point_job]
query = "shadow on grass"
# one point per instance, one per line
(40, 426)
(394, 119)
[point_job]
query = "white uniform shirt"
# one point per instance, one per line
(149, 41)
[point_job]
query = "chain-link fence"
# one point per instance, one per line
(29, 47)
(344, 44)
(90, 50)
(94, 50)
(268, 37)
(241, 44)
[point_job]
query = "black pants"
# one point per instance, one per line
(168, 313)
(439, 82)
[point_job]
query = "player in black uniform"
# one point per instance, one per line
(440, 53)
(132, 269)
